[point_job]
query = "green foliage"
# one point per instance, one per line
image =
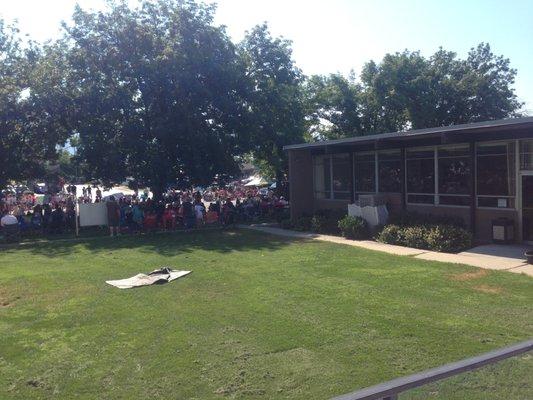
(449, 238)
(445, 238)
(274, 97)
(303, 223)
(354, 228)
(160, 92)
(286, 224)
(408, 91)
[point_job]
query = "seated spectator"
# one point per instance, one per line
(8, 219)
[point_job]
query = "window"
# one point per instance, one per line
(495, 175)
(420, 175)
(332, 177)
(390, 169)
(365, 172)
(526, 154)
(454, 175)
(342, 176)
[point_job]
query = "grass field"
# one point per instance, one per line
(260, 317)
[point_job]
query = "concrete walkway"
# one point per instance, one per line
(498, 257)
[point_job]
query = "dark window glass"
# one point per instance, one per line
(420, 171)
(365, 172)
(389, 169)
(454, 171)
(496, 170)
(322, 177)
(341, 176)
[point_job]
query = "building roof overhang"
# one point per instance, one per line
(486, 130)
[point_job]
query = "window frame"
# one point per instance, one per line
(329, 158)
(516, 148)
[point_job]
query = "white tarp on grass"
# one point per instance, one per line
(158, 276)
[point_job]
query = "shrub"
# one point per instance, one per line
(317, 223)
(415, 236)
(449, 238)
(286, 224)
(391, 234)
(354, 228)
(446, 238)
(303, 223)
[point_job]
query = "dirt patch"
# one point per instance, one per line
(488, 289)
(469, 276)
(7, 302)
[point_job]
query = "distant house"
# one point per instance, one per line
(478, 172)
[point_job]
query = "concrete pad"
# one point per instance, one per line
(475, 260)
(524, 269)
(496, 257)
(515, 251)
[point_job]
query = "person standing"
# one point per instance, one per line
(113, 215)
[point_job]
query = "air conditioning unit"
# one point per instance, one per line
(372, 208)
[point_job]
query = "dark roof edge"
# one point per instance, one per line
(415, 132)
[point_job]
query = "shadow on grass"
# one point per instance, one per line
(167, 244)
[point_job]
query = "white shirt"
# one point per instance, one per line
(8, 219)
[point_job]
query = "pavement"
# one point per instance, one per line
(492, 256)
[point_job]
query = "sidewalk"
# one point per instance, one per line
(497, 257)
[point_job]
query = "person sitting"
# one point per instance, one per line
(8, 219)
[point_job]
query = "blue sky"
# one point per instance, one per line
(340, 35)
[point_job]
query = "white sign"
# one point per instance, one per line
(93, 214)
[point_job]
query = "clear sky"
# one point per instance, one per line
(340, 35)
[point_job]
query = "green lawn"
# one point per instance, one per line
(260, 317)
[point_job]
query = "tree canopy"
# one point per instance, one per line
(160, 93)
(408, 91)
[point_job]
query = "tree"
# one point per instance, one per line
(408, 91)
(32, 105)
(274, 98)
(333, 106)
(160, 93)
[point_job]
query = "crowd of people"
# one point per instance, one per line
(138, 212)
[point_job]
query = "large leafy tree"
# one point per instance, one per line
(160, 93)
(406, 90)
(274, 100)
(32, 106)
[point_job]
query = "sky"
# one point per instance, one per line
(340, 35)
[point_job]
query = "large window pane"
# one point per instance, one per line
(495, 170)
(389, 169)
(322, 177)
(365, 172)
(454, 175)
(341, 176)
(420, 171)
(526, 154)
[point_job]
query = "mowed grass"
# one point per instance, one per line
(260, 317)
